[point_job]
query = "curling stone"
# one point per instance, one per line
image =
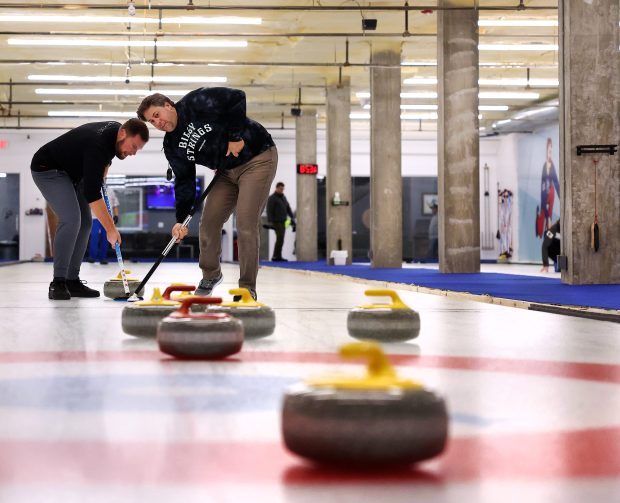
(374, 421)
(113, 288)
(383, 322)
(184, 334)
(258, 319)
(141, 318)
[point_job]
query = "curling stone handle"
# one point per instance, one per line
(186, 304)
(397, 303)
(177, 288)
(246, 296)
(377, 363)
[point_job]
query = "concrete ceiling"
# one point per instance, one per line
(298, 48)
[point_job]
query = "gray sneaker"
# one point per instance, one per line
(206, 286)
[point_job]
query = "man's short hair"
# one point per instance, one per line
(279, 184)
(136, 127)
(154, 100)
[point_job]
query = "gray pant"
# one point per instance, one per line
(74, 220)
(245, 188)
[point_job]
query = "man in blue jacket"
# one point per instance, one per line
(209, 127)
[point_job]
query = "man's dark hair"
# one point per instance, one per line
(154, 100)
(279, 184)
(136, 127)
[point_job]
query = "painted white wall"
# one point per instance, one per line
(419, 158)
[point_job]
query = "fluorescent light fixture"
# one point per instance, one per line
(420, 81)
(518, 47)
(506, 121)
(103, 78)
(2, 175)
(419, 95)
(12, 18)
(127, 43)
(519, 82)
(89, 113)
(417, 107)
(518, 22)
(508, 95)
(482, 108)
(111, 92)
(536, 111)
(419, 116)
(424, 81)
(481, 95)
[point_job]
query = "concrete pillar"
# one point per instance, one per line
(386, 205)
(339, 222)
(458, 140)
(305, 149)
(589, 114)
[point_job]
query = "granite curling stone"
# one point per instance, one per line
(259, 320)
(114, 289)
(394, 322)
(141, 318)
(185, 334)
(371, 422)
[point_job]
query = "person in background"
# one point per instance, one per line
(433, 232)
(551, 246)
(69, 172)
(98, 245)
(209, 126)
(278, 211)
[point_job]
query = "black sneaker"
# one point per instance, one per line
(77, 288)
(206, 286)
(237, 298)
(58, 290)
(279, 259)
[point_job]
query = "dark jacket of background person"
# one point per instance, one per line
(209, 118)
(551, 244)
(278, 208)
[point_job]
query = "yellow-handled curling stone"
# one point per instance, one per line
(392, 322)
(141, 318)
(259, 320)
(373, 421)
(114, 289)
(184, 334)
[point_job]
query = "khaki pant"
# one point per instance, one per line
(244, 188)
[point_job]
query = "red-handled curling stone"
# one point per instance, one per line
(141, 318)
(185, 334)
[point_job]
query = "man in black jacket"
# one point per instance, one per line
(209, 126)
(278, 210)
(69, 171)
(551, 246)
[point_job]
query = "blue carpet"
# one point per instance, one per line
(507, 286)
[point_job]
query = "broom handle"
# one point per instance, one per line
(117, 247)
(185, 223)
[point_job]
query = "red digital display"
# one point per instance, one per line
(307, 169)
